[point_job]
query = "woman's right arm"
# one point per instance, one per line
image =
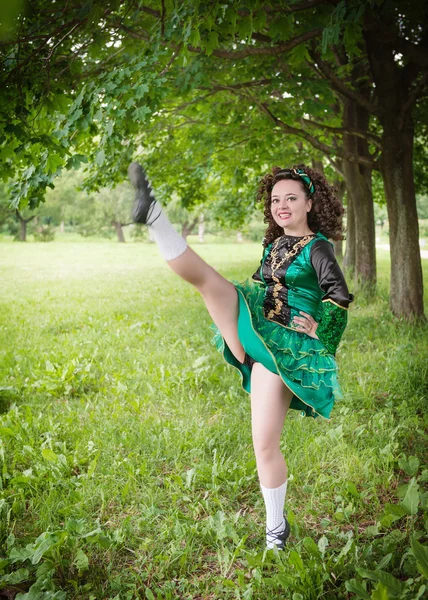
(332, 316)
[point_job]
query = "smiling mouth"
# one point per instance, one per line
(284, 215)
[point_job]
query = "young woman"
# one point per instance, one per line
(281, 328)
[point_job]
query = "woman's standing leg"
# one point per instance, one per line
(220, 296)
(270, 401)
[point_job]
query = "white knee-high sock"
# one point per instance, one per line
(170, 242)
(274, 501)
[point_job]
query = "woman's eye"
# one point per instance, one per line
(291, 198)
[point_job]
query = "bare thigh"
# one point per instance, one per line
(220, 296)
(270, 402)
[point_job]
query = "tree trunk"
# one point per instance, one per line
(119, 232)
(393, 90)
(185, 230)
(350, 257)
(61, 227)
(188, 227)
(338, 249)
(201, 228)
(359, 189)
(317, 165)
(23, 230)
(406, 293)
(338, 244)
(23, 225)
(239, 237)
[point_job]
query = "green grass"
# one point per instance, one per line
(127, 465)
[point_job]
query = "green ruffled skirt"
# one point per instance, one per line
(303, 363)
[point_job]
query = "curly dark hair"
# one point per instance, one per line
(325, 215)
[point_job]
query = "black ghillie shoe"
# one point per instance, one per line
(279, 539)
(144, 197)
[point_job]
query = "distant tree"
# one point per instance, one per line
(109, 213)
(7, 214)
(23, 222)
(91, 80)
(187, 219)
(422, 203)
(67, 202)
(105, 212)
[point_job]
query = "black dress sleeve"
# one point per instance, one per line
(258, 274)
(332, 316)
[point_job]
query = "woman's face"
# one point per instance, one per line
(289, 206)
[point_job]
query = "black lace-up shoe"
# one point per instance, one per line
(144, 197)
(279, 538)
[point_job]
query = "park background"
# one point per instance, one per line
(125, 449)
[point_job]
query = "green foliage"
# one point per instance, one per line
(345, 25)
(124, 83)
(9, 13)
(126, 462)
(8, 222)
(97, 93)
(44, 233)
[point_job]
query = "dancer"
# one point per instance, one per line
(280, 329)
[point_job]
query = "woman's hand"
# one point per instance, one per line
(306, 324)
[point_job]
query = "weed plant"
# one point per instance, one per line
(127, 469)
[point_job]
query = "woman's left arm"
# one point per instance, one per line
(332, 316)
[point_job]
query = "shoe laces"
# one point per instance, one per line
(277, 533)
(150, 212)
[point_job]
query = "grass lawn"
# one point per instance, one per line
(125, 444)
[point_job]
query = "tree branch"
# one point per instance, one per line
(343, 88)
(49, 56)
(234, 54)
(414, 94)
(191, 226)
(163, 19)
(189, 103)
(21, 218)
(138, 35)
(186, 122)
(172, 59)
(238, 86)
(100, 65)
(416, 53)
(409, 50)
(297, 7)
(261, 37)
(49, 36)
(264, 51)
(229, 147)
(269, 10)
(376, 140)
(315, 142)
(337, 165)
(151, 11)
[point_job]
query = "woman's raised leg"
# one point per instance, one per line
(220, 296)
(270, 401)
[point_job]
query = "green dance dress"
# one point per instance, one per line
(295, 274)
